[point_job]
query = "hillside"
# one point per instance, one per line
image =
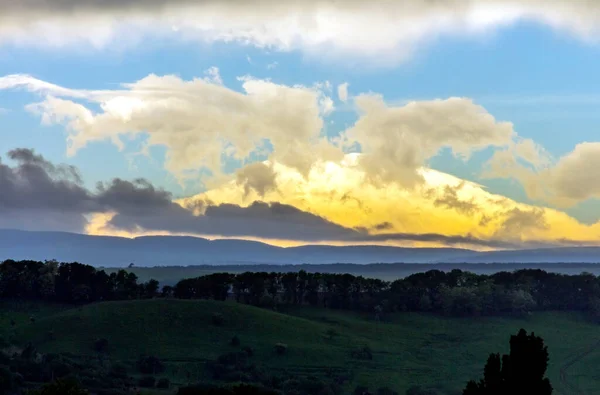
(179, 250)
(410, 349)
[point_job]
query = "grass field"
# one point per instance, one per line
(409, 349)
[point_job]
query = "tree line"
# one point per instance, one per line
(456, 293)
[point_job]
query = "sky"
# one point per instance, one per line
(464, 123)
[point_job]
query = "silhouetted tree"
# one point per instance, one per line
(520, 372)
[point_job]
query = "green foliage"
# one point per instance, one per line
(218, 319)
(235, 341)
(241, 389)
(248, 350)
(163, 383)
(281, 348)
(361, 390)
(63, 387)
(363, 353)
(101, 345)
(418, 390)
(386, 391)
(150, 365)
(330, 334)
(8, 380)
(147, 382)
(118, 370)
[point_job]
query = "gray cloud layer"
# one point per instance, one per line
(36, 194)
(383, 31)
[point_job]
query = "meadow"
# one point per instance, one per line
(409, 349)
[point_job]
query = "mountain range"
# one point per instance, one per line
(185, 251)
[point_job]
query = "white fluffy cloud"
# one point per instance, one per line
(571, 179)
(397, 141)
(203, 124)
(382, 31)
(343, 92)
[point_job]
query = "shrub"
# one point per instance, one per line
(63, 387)
(281, 348)
(418, 390)
(150, 365)
(147, 382)
(118, 370)
(331, 334)
(248, 350)
(163, 383)
(235, 341)
(218, 319)
(101, 345)
(363, 353)
(361, 390)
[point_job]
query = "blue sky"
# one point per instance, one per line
(542, 79)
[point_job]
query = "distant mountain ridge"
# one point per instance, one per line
(183, 251)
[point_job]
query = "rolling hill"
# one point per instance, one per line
(188, 251)
(409, 349)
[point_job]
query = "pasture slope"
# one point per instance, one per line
(408, 349)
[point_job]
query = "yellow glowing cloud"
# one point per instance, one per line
(444, 204)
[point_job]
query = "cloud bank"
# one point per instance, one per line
(294, 182)
(383, 31)
(203, 124)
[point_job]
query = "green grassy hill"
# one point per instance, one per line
(410, 349)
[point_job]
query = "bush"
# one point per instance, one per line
(361, 390)
(101, 345)
(281, 348)
(147, 382)
(63, 387)
(386, 391)
(119, 370)
(8, 380)
(331, 334)
(248, 350)
(235, 341)
(163, 383)
(218, 319)
(417, 390)
(150, 365)
(363, 353)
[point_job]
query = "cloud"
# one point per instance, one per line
(459, 210)
(397, 141)
(40, 195)
(35, 194)
(200, 121)
(203, 124)
(451, 200)
(277, 221)
(517, 223)
(384, 32)
(36, 183)
(257, 176)
(564, 182)
(342, 91)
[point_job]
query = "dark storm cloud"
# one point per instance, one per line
(35, 183)
(260, 219)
